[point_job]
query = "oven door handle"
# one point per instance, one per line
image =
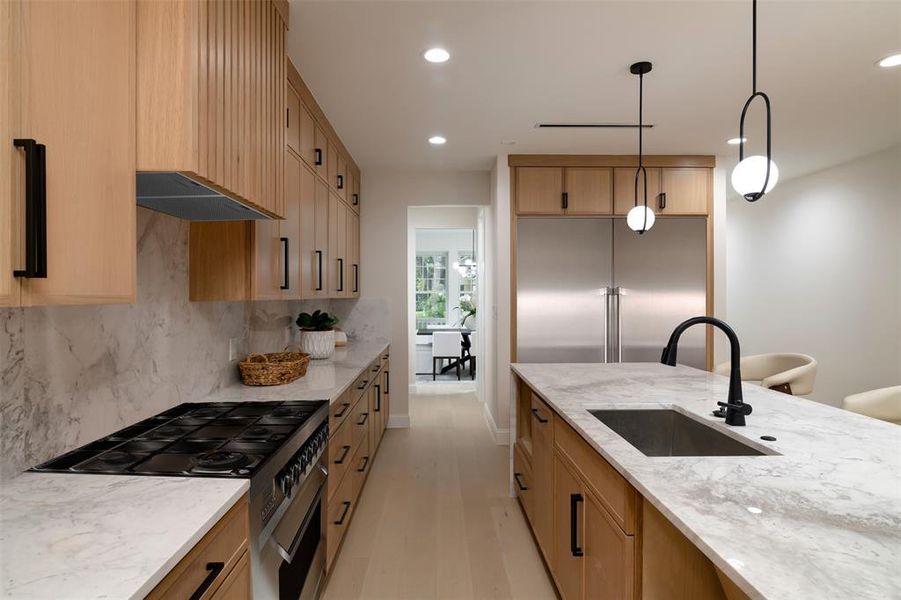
(288, 553)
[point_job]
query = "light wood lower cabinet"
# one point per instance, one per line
(352, 448)
(223, 552)
(68, 93)
(543, 475)
(603, 540)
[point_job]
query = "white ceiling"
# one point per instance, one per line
(514, 64)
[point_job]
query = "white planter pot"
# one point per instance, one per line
(318, 344)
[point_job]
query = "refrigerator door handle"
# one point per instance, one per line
(619, 293)
(605, 292)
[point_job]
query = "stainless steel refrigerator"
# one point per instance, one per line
(592, 290)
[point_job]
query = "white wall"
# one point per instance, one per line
(385, 252)
(501, 266)
(815, 267)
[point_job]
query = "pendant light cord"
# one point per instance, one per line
(754, 46)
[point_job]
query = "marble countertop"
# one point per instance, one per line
(820, 520)
(325, 379)
(112, 536)
(102, 536)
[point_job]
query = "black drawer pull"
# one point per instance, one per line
(538, 416)
(345, 406)
(356, 199)
(378, 398)
(519, 483)
(319, 270)
(344, 451)
(574, 500)
(340, 521)
(356, 278)
(364, 465)
(340, 275)
(661, 200)
(35, 209)
(387, 382)
(340, 182)
(362, 386)
(214, 569)
(318, 154)
(363, 418)
(285, 283)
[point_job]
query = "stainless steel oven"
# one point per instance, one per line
(292, 558)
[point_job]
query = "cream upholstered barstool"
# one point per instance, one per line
(883, 404)
(784, 372)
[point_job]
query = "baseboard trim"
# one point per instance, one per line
(399, 422)
(501, 436)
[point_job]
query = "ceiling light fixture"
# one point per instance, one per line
(736, 141)
(640, 218)
(756, 175)
(436, 55)
(892, 60)
(437, 140)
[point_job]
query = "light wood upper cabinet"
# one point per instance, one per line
(322, 153)
(337, 243)
(589, 191)
(685, 191)
(355, 198)
(341, 177)
(293, 120)
(539, 190)
(67, 82)
(211, 101)
(314, 235)
(624, 189)
(307, 148)
(353, 254)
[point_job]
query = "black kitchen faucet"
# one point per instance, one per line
(735, 408)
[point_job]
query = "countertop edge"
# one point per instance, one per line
(695, 539)
(176, 558)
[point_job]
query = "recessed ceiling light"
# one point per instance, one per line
(436, 55)
(437, 140)
(508, 142)
(892, 60)
(736, 141)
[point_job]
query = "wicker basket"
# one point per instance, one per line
(274, 368)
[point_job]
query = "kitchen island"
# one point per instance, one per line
(817, 514)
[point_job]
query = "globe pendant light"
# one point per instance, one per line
(640, 218)
(755, 175)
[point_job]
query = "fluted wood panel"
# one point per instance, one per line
(212, 95)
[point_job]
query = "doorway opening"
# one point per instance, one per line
(447, 282)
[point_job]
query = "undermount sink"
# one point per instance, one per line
(667, 432)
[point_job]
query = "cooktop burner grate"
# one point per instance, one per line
(223, 439)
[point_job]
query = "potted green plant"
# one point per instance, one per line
(317, 333)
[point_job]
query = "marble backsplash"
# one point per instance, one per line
(71, 374)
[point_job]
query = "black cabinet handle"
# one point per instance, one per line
(538, 416)
(340, 521)
(661, 200)
(340, 182)
(387, 382)
(356, 199)
(213, 568)
(356, 278)
(565, 200)
(35, 209)
(340, 275)
(362, 386)
(378, 398)
(287, 118)
(319, 270)
(364, 465)
(285, 283)
(363, 418)
(318, 157)
(344, 407)
(574, 500)
(344, 451)
(519, 483)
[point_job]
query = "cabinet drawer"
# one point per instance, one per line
(620, 498)
(340, 410)
(360, 466)
(237, 585)
(359, 422)
(522, 481)
(221, 549)
(340, 451)
(340, 509)
(358, 390)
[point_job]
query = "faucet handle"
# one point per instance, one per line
(743, 408)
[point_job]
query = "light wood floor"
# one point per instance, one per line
(435, 519)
